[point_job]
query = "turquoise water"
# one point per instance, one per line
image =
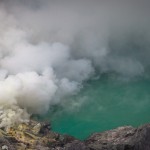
(103, 104)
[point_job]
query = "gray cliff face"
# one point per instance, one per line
(38, 136)
(122, 138)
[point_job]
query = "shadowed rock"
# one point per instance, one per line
(39, 136)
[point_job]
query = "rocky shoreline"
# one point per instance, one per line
(39, 136)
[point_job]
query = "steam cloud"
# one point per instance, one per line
(49, 48)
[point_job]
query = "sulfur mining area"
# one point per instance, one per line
(39, 136)
(81, 65)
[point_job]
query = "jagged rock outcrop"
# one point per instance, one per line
(122, 138)
(39, 136)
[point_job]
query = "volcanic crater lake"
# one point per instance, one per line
(102, 104)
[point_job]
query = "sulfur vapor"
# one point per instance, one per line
(48, 49)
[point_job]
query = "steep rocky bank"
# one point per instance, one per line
(39, 136)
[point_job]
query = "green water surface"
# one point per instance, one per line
(103, 104)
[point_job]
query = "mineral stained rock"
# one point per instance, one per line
(39, 136)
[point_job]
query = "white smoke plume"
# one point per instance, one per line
(49, 48)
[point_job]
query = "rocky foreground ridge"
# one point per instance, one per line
(39, 136)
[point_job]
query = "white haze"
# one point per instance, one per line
(48, 48)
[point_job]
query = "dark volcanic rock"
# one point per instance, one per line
(38, 136)
(122, 138)
(45, 127)
(76, 145)
(6, 144)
